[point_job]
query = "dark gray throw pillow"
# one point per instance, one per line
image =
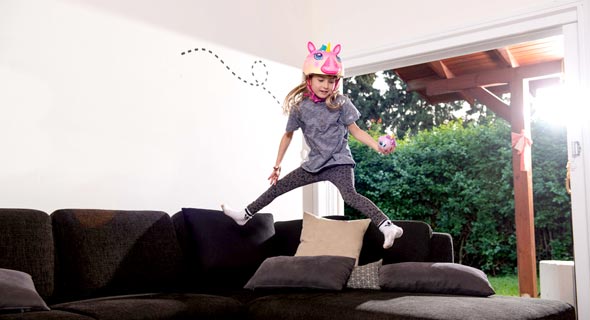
(302, 272)
(17, 292)
(428, 277)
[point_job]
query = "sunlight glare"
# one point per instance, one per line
(556, 106)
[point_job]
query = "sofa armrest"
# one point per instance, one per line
(441, 248)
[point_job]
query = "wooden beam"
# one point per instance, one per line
(540, 70)
(420, 84)
(523, 195)
(441, 69)
(465, 82)
(486, 78)
(499, 90)
(491, 101)
(468, 97)
(505, 57)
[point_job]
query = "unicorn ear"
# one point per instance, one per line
(336, 49)
(310, 46)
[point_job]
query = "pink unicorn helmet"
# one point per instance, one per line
(324, 60)
(387, 142)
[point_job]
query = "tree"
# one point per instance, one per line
(366, 98)
(406, 112)
(398, 110)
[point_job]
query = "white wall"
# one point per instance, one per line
(99, 109)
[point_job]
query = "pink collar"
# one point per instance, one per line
(310, 94)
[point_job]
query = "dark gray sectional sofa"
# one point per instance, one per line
(120, 265)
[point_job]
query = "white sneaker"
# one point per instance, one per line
(240, 217)
(390, 232)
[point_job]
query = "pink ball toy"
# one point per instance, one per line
(387, 143)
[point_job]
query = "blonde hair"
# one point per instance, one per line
(295, 96)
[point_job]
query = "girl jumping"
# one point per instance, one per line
(325, 117)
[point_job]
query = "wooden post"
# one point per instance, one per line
(523, 194)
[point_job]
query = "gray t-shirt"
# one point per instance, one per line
(326, 132)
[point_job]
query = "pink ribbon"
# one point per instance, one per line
(521, 142)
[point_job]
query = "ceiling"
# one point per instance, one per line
(424, 78)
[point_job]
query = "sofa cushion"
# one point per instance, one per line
(157, 307)
(287, 237)
(414, 245)
(17, 292)
(105, 252)
(27, 246)
(383, 305)
(223, 253)
(321, 236)
(428, 277)
(307, 272)
(44, 315)
(441, 248)
(365, 276)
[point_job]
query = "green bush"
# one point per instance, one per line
(458, 179)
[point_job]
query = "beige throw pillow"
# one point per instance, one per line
(322, 236)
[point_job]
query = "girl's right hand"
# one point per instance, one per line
(384, 152)
(274, 176)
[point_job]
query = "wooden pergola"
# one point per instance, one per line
(484, 77)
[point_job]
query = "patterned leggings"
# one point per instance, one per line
(342, 176)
